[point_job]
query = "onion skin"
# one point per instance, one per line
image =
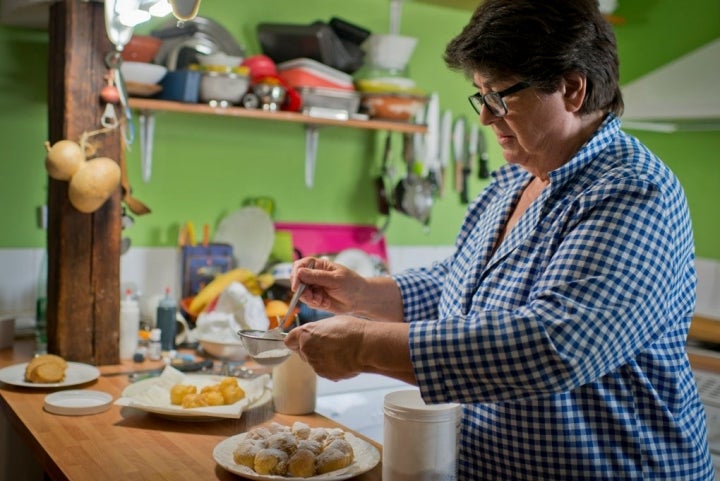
(93, 184)
(63, 159)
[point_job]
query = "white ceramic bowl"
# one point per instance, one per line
(142, 73)
(227, 350)
(388, 51)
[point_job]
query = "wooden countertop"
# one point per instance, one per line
(125, 443)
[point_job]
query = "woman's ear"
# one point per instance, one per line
(575, 86)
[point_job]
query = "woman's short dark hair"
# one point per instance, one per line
(539, 41)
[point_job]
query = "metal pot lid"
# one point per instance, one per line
(200, 36)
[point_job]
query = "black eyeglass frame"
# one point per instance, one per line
(477, 100)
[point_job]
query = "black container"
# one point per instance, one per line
(318, 41)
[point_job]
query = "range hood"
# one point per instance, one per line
(679, 96)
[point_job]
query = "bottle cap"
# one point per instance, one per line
(155, 334)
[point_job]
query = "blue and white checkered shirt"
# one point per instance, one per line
(567, 344)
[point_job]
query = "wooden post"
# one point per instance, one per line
(83, 308)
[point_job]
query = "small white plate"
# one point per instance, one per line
(77, 402)
(76, 373)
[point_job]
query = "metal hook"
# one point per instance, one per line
(109, 119)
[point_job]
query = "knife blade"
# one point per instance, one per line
(471, 153)
(445, 147)
(459, 149)
(432, 140)
(483, 168)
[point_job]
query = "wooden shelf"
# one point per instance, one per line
(203, 109)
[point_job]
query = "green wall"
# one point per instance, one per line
(204, 166)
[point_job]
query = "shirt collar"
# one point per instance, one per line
(511, 175)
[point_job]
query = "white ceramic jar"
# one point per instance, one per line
(294, 386)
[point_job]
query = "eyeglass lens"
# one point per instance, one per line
(494, 100)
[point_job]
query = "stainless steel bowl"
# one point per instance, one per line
(264, 348)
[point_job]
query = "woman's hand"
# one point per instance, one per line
(330, 287)
(331, 346)
(342, 347)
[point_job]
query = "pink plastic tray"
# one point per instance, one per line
(312, 239)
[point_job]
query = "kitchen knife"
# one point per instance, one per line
(483, 169)
(459, 142)
(445, 147)
(432, 140)
(471, 153)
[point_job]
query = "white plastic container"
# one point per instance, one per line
(389, 51)
(419, 440)
(129, 325)
(294, 386)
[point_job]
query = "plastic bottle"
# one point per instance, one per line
(166, 310)
(129, 325)
(41, 308)
(419, 440)
(155, 348)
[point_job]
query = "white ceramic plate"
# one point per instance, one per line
(251, 233)
(357, 260)
(366, 458)
(77, 402)
(76, 373)
(136, 395)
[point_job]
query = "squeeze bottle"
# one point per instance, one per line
(166, 321)
(129, 325)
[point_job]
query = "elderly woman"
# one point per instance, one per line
(560, 320)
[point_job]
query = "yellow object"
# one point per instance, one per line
(265, 281)
(208, 293)
(192, 241)
(63, 159)
(93, 183)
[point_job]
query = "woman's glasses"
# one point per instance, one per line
(494, 100)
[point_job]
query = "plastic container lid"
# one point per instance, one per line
(319, 74)
(408, 405)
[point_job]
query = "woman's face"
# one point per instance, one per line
(537, 130)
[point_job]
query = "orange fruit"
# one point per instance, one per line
(275, 311)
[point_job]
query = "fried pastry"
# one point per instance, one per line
(179, 391)
(331, 459)
(46, 368)
(299, 451)
(245, 452)
(271, 461)
(225, 392)
(301, 464)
